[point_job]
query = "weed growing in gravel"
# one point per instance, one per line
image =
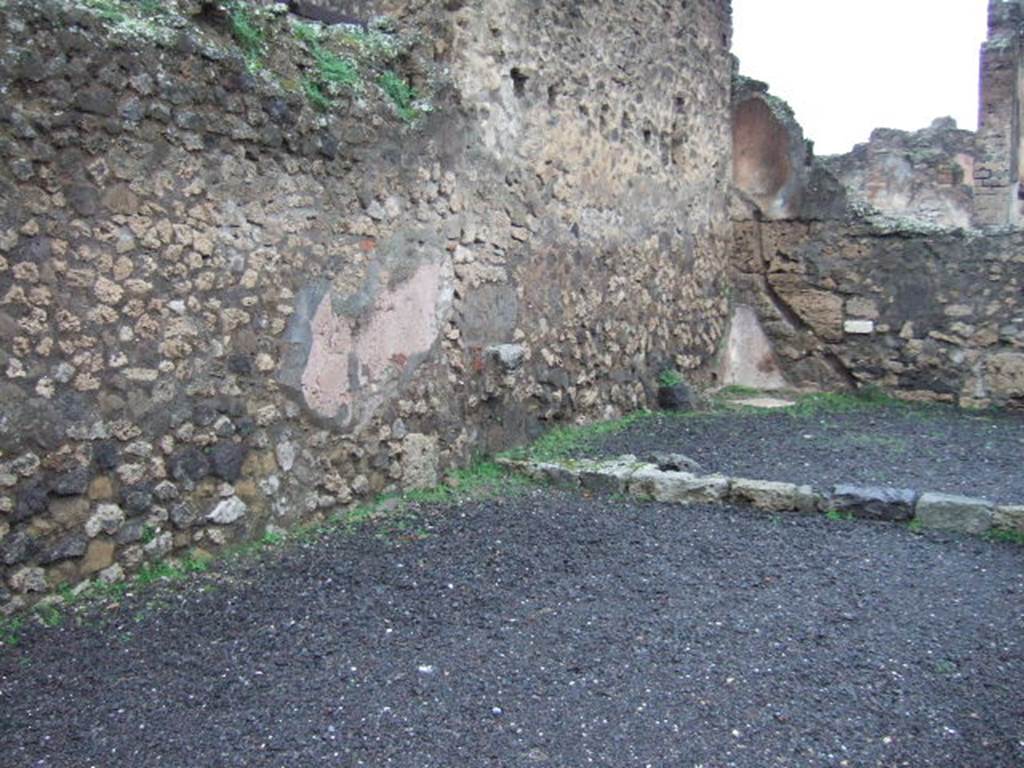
(10, 631)
(738, 390)
(838, 402)
(49, 614)
(170, 571)
(838, 515)
(1007, 537)
(563, 442)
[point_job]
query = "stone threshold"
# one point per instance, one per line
(643, 480)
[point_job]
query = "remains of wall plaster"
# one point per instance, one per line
(749, 359)
(768, 150)
(924, 176)
(351, 361)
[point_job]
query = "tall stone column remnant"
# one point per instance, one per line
(997, 171)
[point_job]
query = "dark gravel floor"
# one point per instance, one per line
(548, 629)
(927, 449)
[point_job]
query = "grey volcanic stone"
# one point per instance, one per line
(954, 513)
(160, 545)
(874, 503)
(508, 356)
(108, 518)
(676, 398)
(165, 491)
(83, 198)
(106, 455)
(226, 461)
(73, 482)
(132, 531)
(32, 500)
(137, 498)
(18, 548)
(67, 548)
(676, 462)
(189, 464)
(183, 515)
(97, 100)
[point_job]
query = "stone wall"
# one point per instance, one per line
(863, 269)
(222, 309)
(997, 169)
(924, 176)
(926, 316)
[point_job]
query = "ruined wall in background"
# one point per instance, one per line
(898, 265)
(875, 278)
(222, 309)
(923, 176)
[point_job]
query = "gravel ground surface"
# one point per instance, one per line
(549, 629)
(926, 449)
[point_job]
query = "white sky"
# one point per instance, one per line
(849, 66)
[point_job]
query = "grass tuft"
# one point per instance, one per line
(332, 71)
(110, 11)
(162, 571)
(738, 390)
(402, 95)
(838, 402)
(49, 614)
(564, 442)
(310, 34)
(1007, 537)
(838, 515)
(669, 378)
(248, 34)
(10, 631)
(317, 98)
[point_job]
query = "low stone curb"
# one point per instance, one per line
(628, 475)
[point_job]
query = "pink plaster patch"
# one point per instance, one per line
(403, 323)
